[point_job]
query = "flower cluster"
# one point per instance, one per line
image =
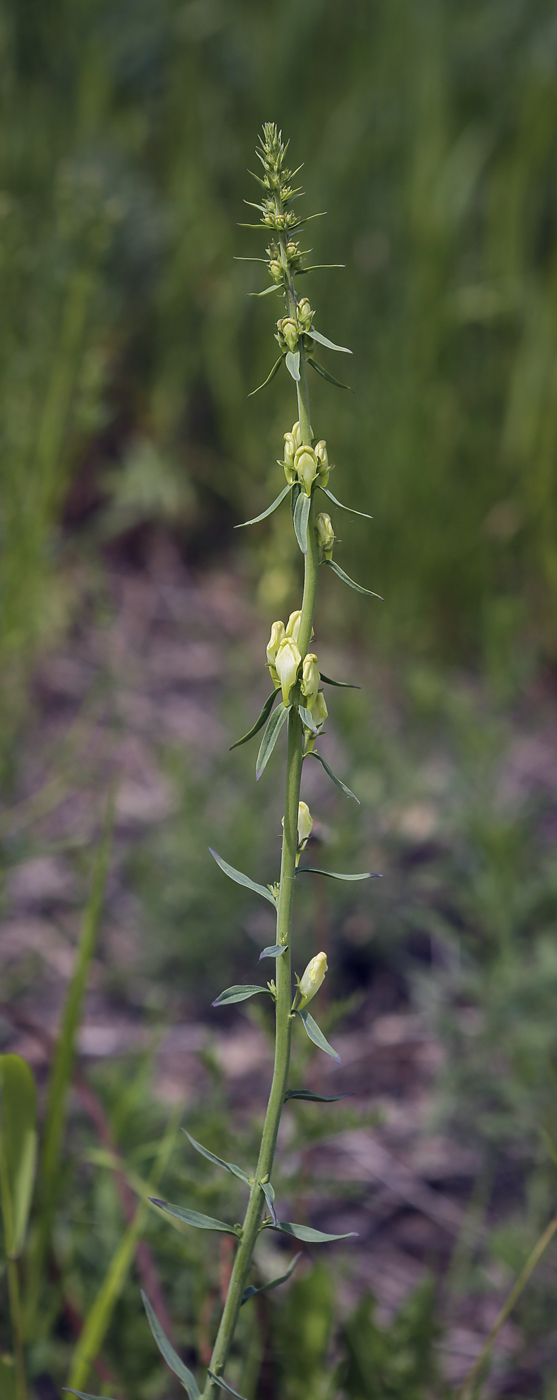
(287, 670)
(303, 464)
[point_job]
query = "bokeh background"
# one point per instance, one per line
(132, 629)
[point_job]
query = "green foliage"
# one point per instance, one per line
(392, 1363)
(18, 1149)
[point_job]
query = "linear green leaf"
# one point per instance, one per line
(335, 874)
(240, 879)
(292, 359)
(346, 790)
(238, 993)
(266, 293)
(274, 1282)
(329, 377)
(305, 1232)
(276, 951)
(307, 718)
(218, 1161)
(330, 344)
(300, 518)
(218, 1380)
(316, 267)
(167, 1351)
(343, 685)
(269, 739)
(350, 581)
(18, 1148)
(277, 363)
(83, 1394)
(350, 509)
(260, 721)
(314, 1098)
(269, 1195)
(265, 513)
(316, 1035)
(195, 1218)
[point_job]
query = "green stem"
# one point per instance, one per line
(17, 1328)
(283, 1034)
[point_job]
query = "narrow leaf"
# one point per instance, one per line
(269, 740)
(265, 513)
(344, 685)
(305, 1232)
(218, 1380)
(83, 1395)
(301, 517)
(294, 499)
(350, 581)
(193, 1217)
(316, 1035)
(317, 267)
(218, 1161)
(325, 375)
(350, 509)
(238, 993)
(335, 874)
(293, 364)
(18, 1148)
(167, 1351)
(240, 879)
(314, 1098)
(276, 951)
(260, 721)
(307, 718)
(266, 292)
(274, 1283)
(330, 344)
(346, 790)
(269, 1195)
(277, 363)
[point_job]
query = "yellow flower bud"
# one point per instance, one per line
(275, 639)
(305, 463)
(290, 446)
(288, 330)
(275, 270)
(305, 823)
(287, 663)
(293, 625)
(322, 457)
(296, 434)
(325, 533)
(310, 679)
(320, 710)
(305, 313)
(312, 978)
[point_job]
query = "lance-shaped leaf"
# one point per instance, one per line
(316, 267)
(330, 344)
(335, 874)
(316, 1035)
(83, 1394)
(266, 293)
(269, 511)
(292, 360)
(276, 951)
(218, 1380)
(309, 1236)
(193, 1217)
(350, 581)
(343, 685)
(314, 1098)
(185, 1376)
(270, 738)
(325, 375)
(346, 790)
(276, 365)
(307, 718)
(260, 721)
(240, 879)
(300, 519)
(18, 1148)
(269, 1194)
(350, 509)
(218, 1161)
(238, 993)
(274, 1282)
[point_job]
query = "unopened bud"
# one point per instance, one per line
(325, 533)
(288, 329)
(287, 662)
(305, 313)
(320, 710)
(275, 270)
(293, 625)
(305, 463)
(310, 679)
(322, 456)
(296, 434)
(290, 446)
(275, 639)
(312, 979)
(305, 823)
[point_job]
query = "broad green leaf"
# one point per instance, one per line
(350, 581)
(269, 1194)
(277, 363)
(268, 511)
(330, 344)
(300, 518)
(274, 1283)
(238, 993)
(307, 718)
(218, 1161)
(240, 879)
(260, 721)
(18, 1148)
(269, 740)
(167, 1350)
(343, 685)
(329, 377)
(314, 1098)
(335, 874)
(292, 360)
(305, 1232)
(350, 509)
(193, 1217)
(276, 951)
(218, 1380)
(316, 1035)
(346, 790)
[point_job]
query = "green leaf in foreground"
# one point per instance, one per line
(300, 518)
(350, 581)
(276, 951)
(241, 879)
(346, 790)
(218, 1380)
(276, 365)
(307, 719)
(327, 492)
(240, 992)
(329, 344)
(193, 1217)
(268, 511)
(260, 721)
(314, 1098)
(329, 377)
(218, 1161)
(274, 1283)
(167, 1351)
(335, 874)
(309, 1236)
(343, 685)
(316, 1035)
(292, 360)
(269, 740)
